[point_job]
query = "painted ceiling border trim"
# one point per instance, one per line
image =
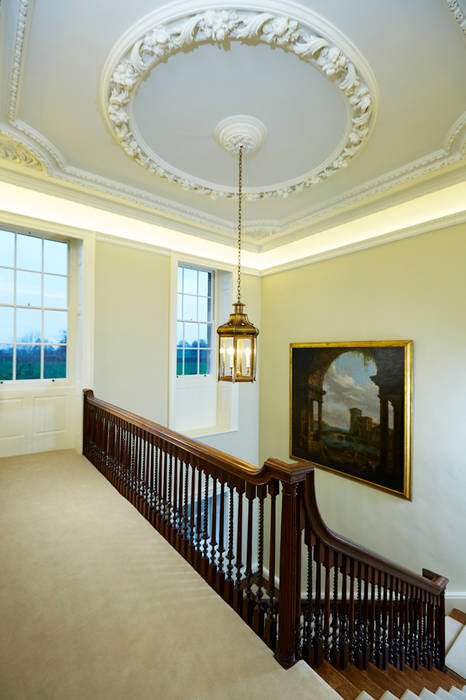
(366, 244)
(21, 207)
(183, 25)
(80, 181)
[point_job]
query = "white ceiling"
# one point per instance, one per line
(412, 55)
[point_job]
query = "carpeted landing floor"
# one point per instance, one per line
(96, 605)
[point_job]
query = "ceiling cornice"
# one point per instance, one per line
(65, 180)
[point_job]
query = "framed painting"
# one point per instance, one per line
(350, 410)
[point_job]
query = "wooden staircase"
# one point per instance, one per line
(374, 683)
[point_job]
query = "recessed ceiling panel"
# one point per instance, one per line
(179, 105)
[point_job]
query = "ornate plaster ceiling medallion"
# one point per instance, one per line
(240, 130)
(285, 25)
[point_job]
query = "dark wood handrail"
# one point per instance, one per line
(271, 469)
(429, 581)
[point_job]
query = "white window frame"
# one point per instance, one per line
(70, 310)
(224, 396)
(183, 265)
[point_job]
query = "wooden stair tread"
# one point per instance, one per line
(386, 680)
(362, 679)
(458, 615)
(338, 680)
(374, 681)
(444, 680)
(458, 681)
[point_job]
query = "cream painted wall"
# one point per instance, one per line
(132, 302)
(412, 289)
(131, 329)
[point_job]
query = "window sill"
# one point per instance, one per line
(208, 432)
(32, 386)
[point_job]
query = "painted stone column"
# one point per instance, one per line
(383, 434)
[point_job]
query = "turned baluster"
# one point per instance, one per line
(174, 508)
(220, 577)
(351, 613)
(192, 506)
(185, 519)
(271, 619)
(258, 615)
(344, 614)
(198, 519)
(213, 534)
(204, 563)
(359, 616)
(228, 588)
(336, 618)
(373, 627)
(248, 603)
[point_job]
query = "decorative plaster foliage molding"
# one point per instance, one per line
(183, 31)
(458, 13)
(24, 9)
(18, 154)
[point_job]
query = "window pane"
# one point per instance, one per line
(190, 334)
(180, 279)
(190, 361)
(205, 335)
(179, 361)
(179, 312)
(189, 308)
(6, 324)
(6, 285)
(55, 326)
(6, 362)
(28, 288)
(205, 360)
(203, 283)
(54, 361)
(55, 292)
(179, 334)
(7, 248)
(29, 252)
(28, 362)
(28, 325)
(56, 257)
(203, 309)
(190, 281)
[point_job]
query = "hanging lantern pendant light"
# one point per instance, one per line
(237, 338)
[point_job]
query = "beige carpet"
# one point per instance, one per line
(95, 604)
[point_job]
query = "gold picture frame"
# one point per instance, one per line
(351, 410)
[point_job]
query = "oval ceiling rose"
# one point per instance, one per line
(240, 130)
(293, 28)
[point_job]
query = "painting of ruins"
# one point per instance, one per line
(351, 410)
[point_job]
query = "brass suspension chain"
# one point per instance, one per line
(240, 197)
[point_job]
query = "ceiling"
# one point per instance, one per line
(114, 105)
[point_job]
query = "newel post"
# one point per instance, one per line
(289, 576)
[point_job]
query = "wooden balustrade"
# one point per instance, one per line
(335, 600)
